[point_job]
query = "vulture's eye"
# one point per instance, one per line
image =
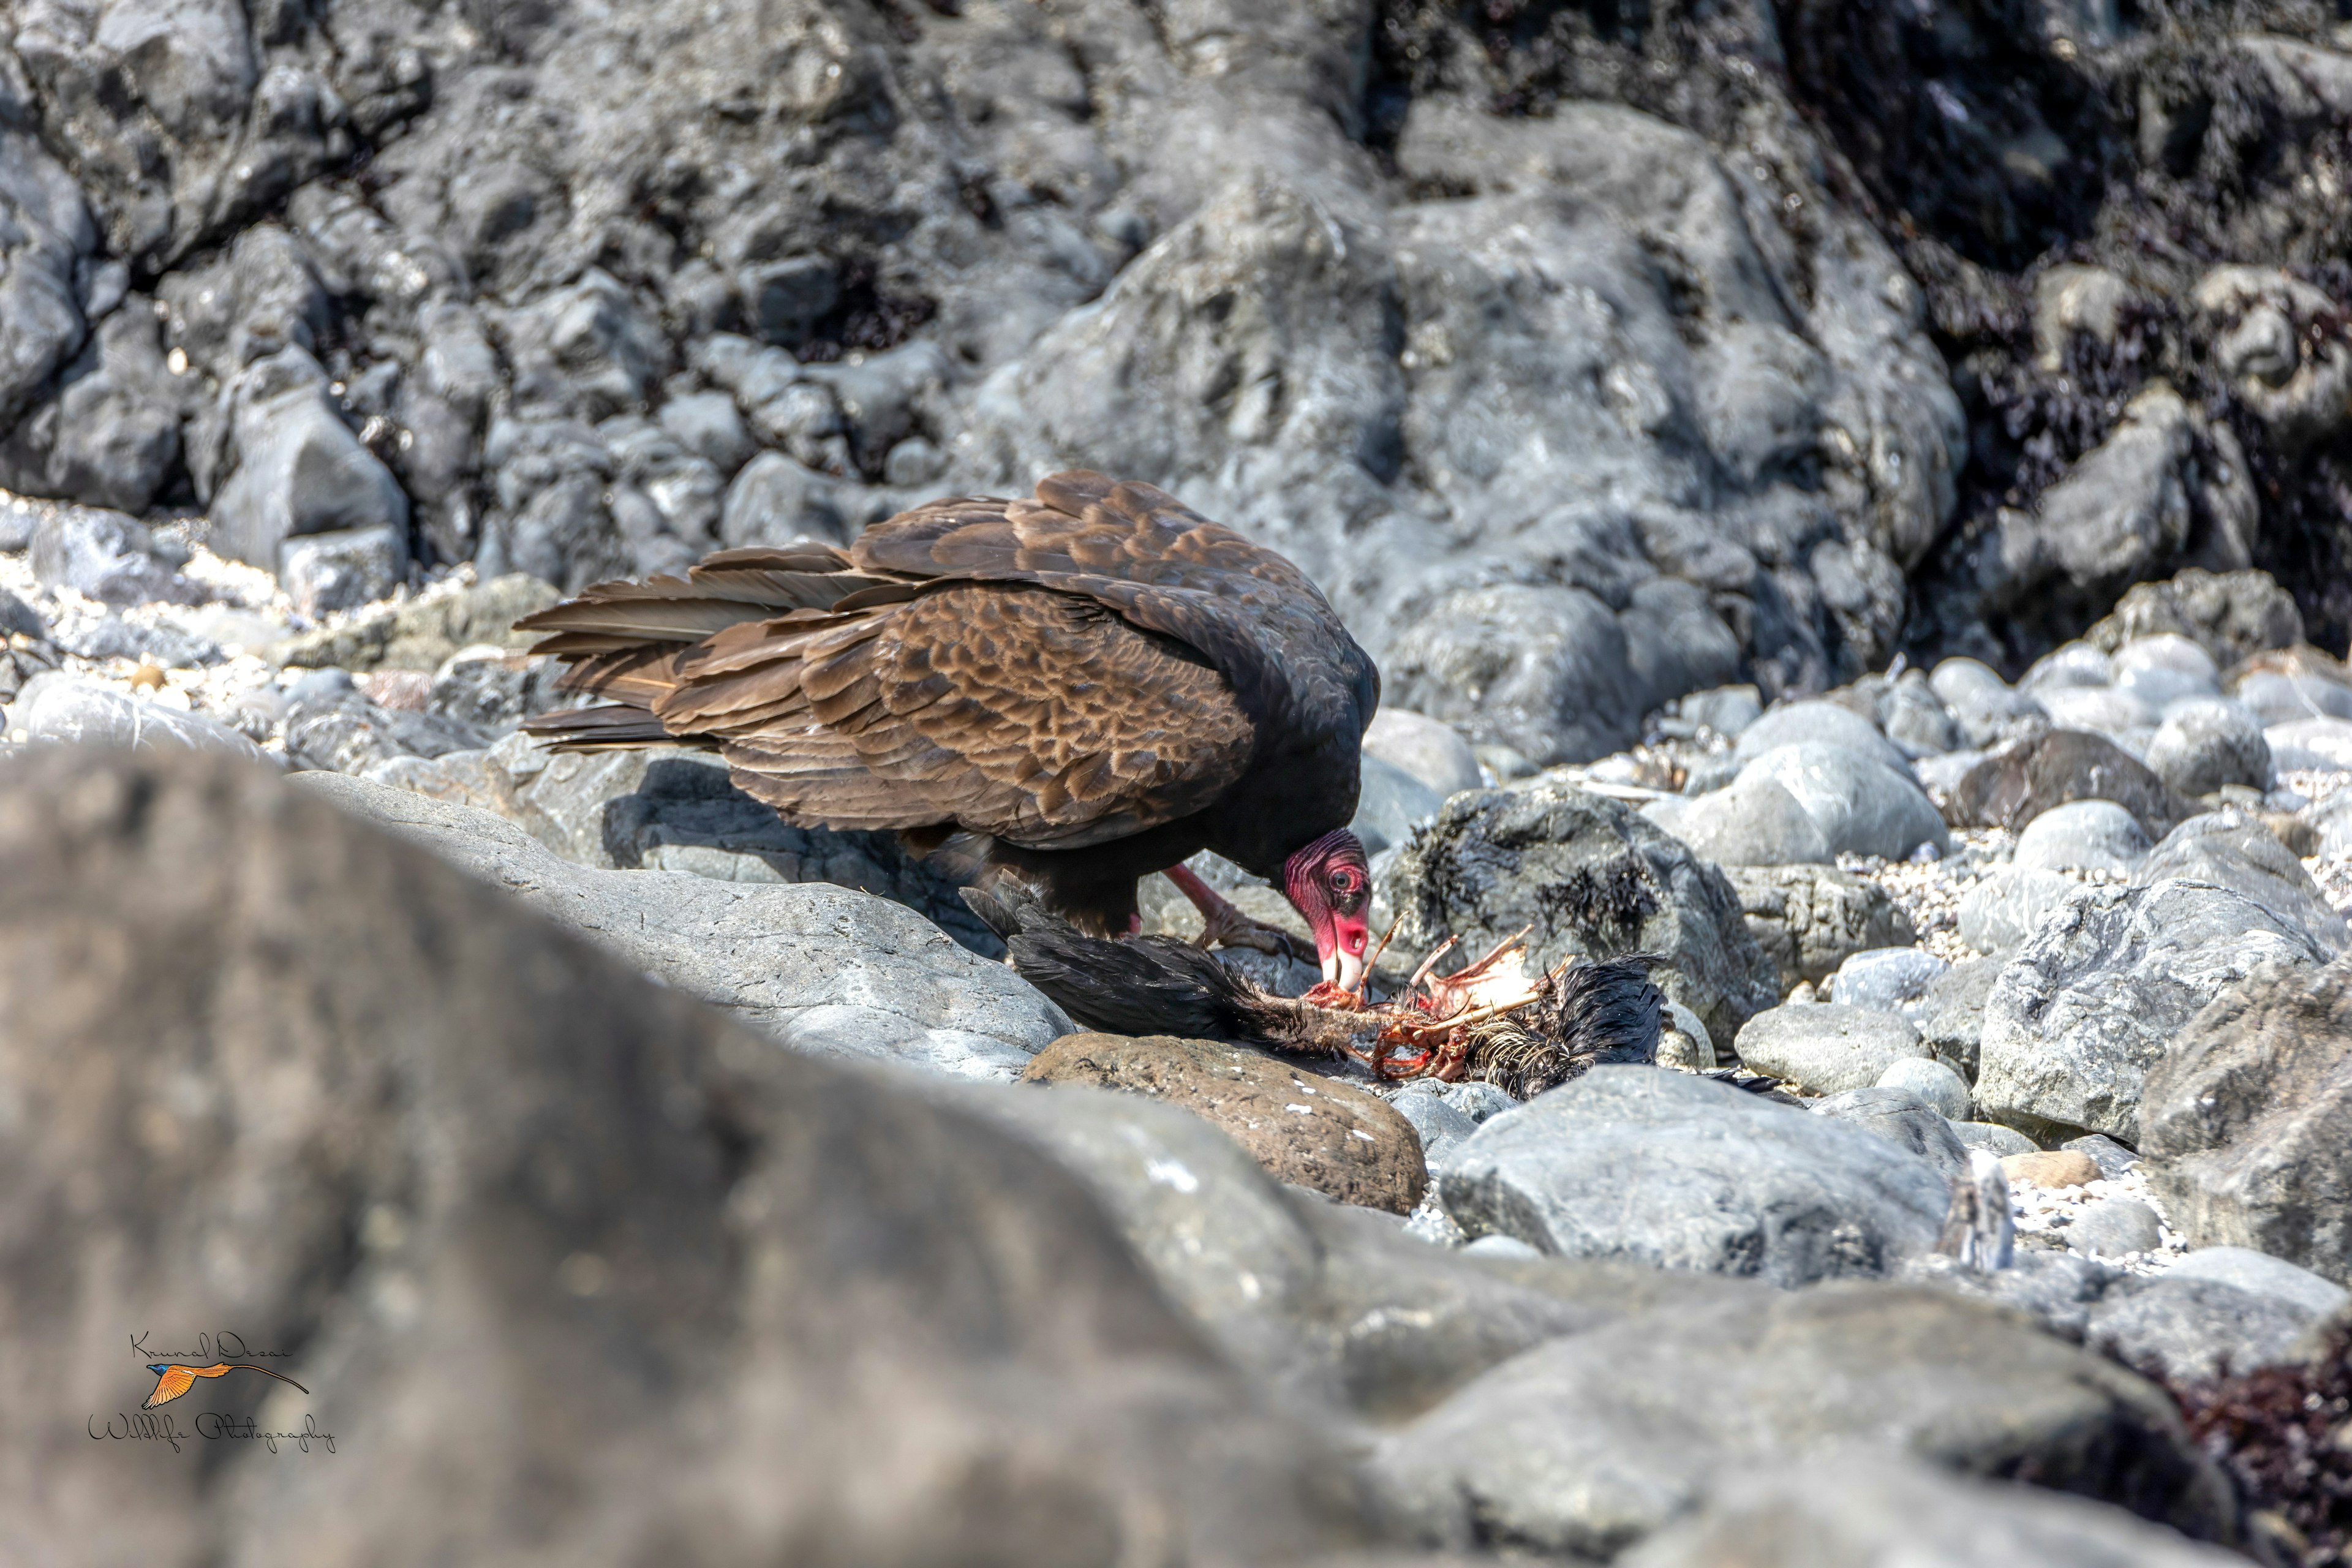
(1347, 886)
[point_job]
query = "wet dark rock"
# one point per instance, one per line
(2232, 615)
(2025, 778)
(1593, 878)
(110, 435)
(18, 618)
(2110, 1157)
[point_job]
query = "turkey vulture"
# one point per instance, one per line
(1077, 689)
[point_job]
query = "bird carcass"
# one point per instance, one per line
(1492, 1021)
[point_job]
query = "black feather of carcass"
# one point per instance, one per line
(1587, 1014)
(1141, 986)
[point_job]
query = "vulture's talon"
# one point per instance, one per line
(1228, 927)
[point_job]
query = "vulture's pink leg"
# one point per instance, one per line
(1222, 924)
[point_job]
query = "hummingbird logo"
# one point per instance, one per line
(170, 1382)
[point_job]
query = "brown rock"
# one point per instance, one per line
(2025, 778)
(2051, 1168)
(1303, 1128)
(2302, 839)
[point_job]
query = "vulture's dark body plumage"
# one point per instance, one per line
(1091, 685)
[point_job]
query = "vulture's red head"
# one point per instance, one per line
(1331, 885)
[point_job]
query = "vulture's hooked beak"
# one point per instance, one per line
(1343, 961)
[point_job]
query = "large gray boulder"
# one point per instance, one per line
(1852, 1509)
(1433, 752)
(2231, 849)
(519, 1221)
(1586, 1446)
(1817, 723)
(1333, 1305)
(1906, 1118)
(672, 808)
(2192, 1329)
(1857, 802)
(1593, 878)
(1495, 420)
(2243, 1114)
(823, 970)
(297, 467)
(2095, 997)
(1661, 1167)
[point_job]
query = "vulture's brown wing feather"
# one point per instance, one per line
(1037, 716)
(1081, 525)
(1163, 567)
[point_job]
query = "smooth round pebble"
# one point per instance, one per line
(2075, 664)
(1992, 1135)
(2103, 709)
(1509, 1246)
(2168, 652)
(1825, 1047)
(2083, 835)
(2110, 1227)
(1885, 977)
(1932, 1081)
(2208, 742)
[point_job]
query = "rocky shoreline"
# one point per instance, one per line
(2037, 992)
(1849, 498)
